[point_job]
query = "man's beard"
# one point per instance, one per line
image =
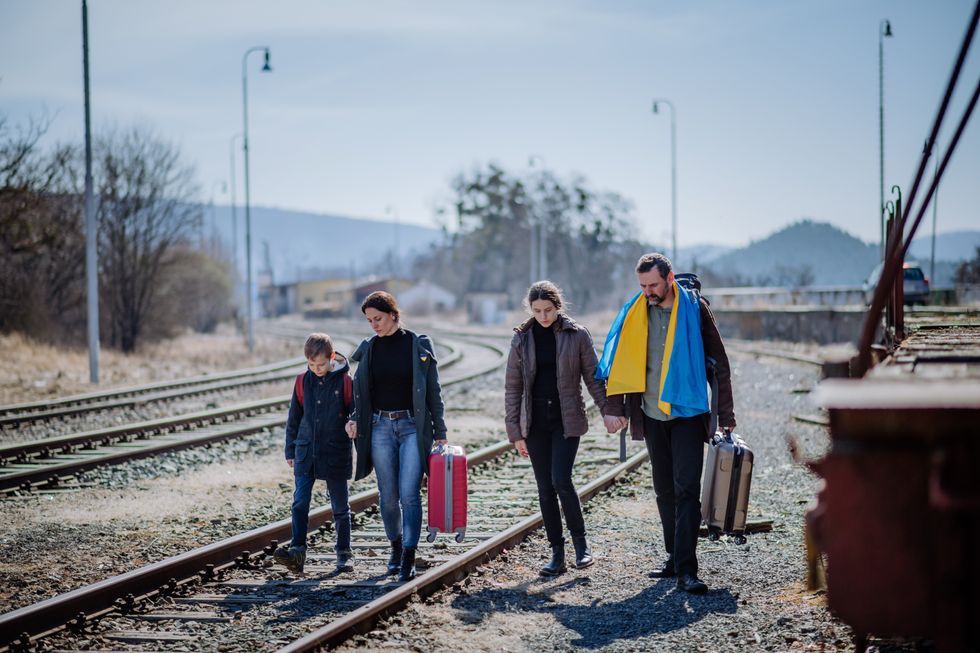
(655, 299)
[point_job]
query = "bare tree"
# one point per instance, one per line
(145, 210)
(41, 237)
(590, 239)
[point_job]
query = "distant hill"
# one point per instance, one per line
(820, 254)
(804, 253)
(951, 246)
(309, 245)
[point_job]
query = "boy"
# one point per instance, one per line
(317, 448)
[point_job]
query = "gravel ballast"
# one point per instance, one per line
(144, 511)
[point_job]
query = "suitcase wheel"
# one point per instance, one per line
(460, 535)
(713, 535)
(431, 537)
(740, 539)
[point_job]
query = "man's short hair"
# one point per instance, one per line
(318, 344)
(654, 260)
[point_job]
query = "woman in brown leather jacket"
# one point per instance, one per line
(550, 356)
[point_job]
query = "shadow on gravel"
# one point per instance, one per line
(658, 608)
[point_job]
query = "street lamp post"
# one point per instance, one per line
(214, 222)
(248, 212)
(91, 230)
(234, 216)
(673, 175)
(539, 244)
(884, 29)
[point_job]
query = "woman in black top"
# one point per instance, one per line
(397, 417)
(550, 356)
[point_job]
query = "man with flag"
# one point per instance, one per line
(656, 380)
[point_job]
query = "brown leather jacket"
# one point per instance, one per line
(576, 361)
(631, 405)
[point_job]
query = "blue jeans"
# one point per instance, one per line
(395, 453)
(339, 501)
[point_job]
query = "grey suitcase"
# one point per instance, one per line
(725, 493)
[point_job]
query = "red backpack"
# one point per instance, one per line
(348, 389)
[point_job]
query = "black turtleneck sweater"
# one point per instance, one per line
(391, 372)
(546, 362)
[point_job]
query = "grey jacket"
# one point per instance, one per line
(427, 403)
(576, 361)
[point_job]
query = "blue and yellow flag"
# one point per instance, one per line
(683, 380)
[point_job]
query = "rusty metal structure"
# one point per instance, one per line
(897, 522)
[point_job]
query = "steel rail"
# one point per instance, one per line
(365, 617)
(148, 387)
(50, 474)
(15, 414)
(98, 598)
(177, 393)
(744, 348)
(45, 446)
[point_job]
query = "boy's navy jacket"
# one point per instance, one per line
(315, 438)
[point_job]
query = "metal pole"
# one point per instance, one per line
(234, 220)
(248, 208)
(539, 238)
(935, 202)
(673, 183)
(884, 29)
(673, 175)
(91, 229)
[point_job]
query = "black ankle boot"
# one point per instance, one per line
(557, 564)
(395, 559)
(583, 555)
(408, 565)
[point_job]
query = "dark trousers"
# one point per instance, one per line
(676, 449)
(337, 489)
(552, 456)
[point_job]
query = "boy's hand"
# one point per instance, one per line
(351, 428)
(440, 443)
(289, 461)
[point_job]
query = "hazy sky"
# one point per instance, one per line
(376, 104)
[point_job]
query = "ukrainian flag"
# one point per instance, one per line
(683, 380)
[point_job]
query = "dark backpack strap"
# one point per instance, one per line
(299, 387)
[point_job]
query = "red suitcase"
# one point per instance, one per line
(447, 492)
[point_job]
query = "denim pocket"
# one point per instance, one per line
(375, 418)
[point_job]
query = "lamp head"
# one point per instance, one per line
(888, 28)
(266, 68)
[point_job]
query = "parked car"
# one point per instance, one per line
(915, 284)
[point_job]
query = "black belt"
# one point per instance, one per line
(394, 414)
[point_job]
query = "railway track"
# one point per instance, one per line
(230, 591)
(49, 462)
(14, 415)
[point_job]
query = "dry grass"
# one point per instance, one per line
(31, 370)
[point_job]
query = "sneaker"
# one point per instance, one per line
(345, 560)
(292, 558)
